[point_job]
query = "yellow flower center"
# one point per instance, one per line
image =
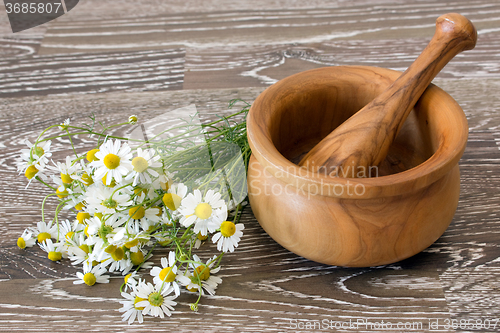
(139, 190)
(155, 299)
(118, 254)
(202, 272)
(167, 275)
(110, 249)
(82, 216)
(80, 206)
(85, 248)
(140, 164)
(172, 201)
(111, 161)
(104, 180)
(132, 119)
(21, 243)
(125, 279)
(61, 194)
(203, 211)
(39, 151)
(55, 256)
(201, 237)
(66, 178)
(87, 180)
(132, 243)
(227, 228)
(91, 155)
(31, 171)
(69, 235)
(137, 300)
(137, 213)
(165, 186)
(43, 236)
(136, 257)
(89, 279)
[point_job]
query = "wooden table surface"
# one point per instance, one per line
(120, 57)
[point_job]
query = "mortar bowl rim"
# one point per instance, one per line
(446, 156)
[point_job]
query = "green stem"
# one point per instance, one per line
(44, 183)
(71, 142)
(43, 205)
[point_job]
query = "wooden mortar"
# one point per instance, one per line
(352, 221)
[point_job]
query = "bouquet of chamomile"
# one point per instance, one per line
(172, 181)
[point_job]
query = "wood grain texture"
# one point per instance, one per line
(83, 73)
(266, 287)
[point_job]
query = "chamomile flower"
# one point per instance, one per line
(137, 257)
(143, 167)
(133, 241)
(66, 170)
(130, 310)
(203, 212)
(74, 199)
(156, 300)
(79, 252)
(45, 231)
(64, 125)
(174, 196)
(166, 273)
(203, 227)
(65, 230)
(54, 250)
(26, 239)
(91, 276)
(33, 161)
(115, 264)
(130, 280)
(113, 161)
(164, 181)
(202, 277)
(106, 200)
(83, 174)
(34, 171)
(228, 236)
(100, 233)
(199, 240)
(35, 155)
(61, 188)
(132, 119)
(142, 218)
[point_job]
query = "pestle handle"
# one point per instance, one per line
(363, 141)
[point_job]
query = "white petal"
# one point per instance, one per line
(171, 258)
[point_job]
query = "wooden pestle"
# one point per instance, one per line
(363, 140)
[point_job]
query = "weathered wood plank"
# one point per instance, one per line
(266, 287)
(84, 31)
(131, 71)
(244, 47)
